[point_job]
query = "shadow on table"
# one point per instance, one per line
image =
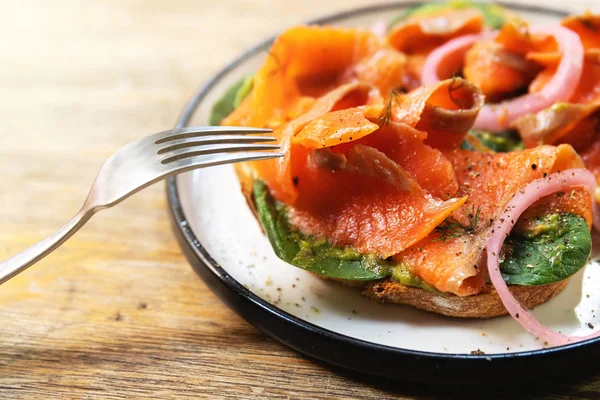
(579, 387)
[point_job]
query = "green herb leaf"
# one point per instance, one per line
(243, 91)
(386, 114)
(275, 223)
(558, 247)
(493, 15)
(230, 100)
(503, 141)
(450, 228)
(312, 254)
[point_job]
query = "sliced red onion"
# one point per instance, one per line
(572, 178)
(499, 116)
(451, 50)
(560, 88)
(380, 28)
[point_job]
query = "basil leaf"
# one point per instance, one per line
(230, 100)
(274, 222)
(312, 254)
(493, 15)
(243, 91)
(503, 141)
(557, 247)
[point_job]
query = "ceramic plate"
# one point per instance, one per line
(224, 243)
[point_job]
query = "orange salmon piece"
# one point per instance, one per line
(591, 159)
(499, 66)
(568, 123)
(588, 89)
(445, 110)
(587, 26)
(490, 180)
(385, 69)
(365, 212)
(419, 35)
(423, 33)
(338, 127)
(393, 198)
(306, 62)
(496, 70)
(427, 165)
(278, 173)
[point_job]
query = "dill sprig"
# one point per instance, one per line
(455, 85)
(452, 228)
(386, 114)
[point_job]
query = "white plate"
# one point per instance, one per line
(214, 224)
(223, 223)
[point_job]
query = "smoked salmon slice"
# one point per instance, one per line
(588, 88)
(489, 180)
(367, 190)
(377, 206)
(499, 66)
(577, 121)
(591, 159)
(306, 62)
(278, 173)
(446, 110)
(405, 146)
(420, 34)
(373, 164)
(587, 27)
(576, 124)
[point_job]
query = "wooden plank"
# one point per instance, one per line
(117, 312)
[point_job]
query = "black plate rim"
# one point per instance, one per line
(203, 262)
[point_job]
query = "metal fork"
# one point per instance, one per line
(144, 162)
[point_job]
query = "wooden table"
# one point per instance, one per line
(117, 312)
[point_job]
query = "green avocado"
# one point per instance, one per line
(503, 141)
(230, 100)
(555, 247)
(401, 273)
(313, 254)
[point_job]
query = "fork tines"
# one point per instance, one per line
(192, 142)
(182, 133)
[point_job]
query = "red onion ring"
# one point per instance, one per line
(379, 28)
(531, 193)
(455, 48)
(560, 88)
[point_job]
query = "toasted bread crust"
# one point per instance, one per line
(486, 304)
(246, 179)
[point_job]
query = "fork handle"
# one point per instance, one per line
(21, 261)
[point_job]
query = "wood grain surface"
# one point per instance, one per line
(117, 312)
